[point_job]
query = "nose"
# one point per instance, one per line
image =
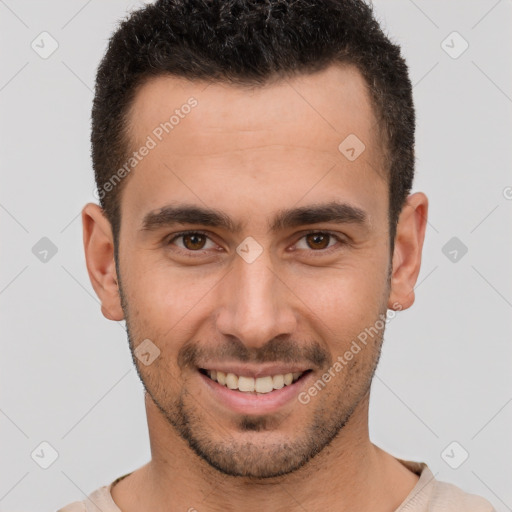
(255, 303)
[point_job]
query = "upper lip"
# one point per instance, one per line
(261, 370)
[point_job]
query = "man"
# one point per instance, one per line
(254, 162)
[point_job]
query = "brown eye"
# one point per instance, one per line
(318, 240)
(194, 241)
(320, 243)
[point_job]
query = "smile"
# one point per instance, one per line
(243, 388)
(258, 385)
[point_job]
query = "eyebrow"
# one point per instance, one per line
(339, 213)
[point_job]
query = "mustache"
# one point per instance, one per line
(277, 350)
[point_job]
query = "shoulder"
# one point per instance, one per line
(76, 506)
(449, 497)
(432, 495)
(100, 499)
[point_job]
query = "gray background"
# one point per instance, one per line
(66, 372)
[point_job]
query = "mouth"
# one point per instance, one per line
(262, 385)
(258, 392)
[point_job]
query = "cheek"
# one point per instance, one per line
(162, 294)
(349, 293)
(166, 305)
(343, 303)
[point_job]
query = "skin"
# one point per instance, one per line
(251, 153)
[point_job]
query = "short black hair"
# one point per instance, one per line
(250, 42)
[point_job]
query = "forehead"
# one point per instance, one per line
(334, 101)
(217, 140)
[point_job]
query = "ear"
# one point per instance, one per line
(409, 238)
(99, 256)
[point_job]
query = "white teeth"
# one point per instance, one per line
(264, 384)
(231, 381)
(245, 383)
(221, 377)
(278, 381)
(251, 385)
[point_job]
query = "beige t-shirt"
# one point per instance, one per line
(428, 495)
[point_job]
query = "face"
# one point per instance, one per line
(251, 245)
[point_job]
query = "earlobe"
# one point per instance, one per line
(99, 256)
(410, 234)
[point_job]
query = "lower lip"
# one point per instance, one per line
(245, 403)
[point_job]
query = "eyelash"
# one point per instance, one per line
(198, 253)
